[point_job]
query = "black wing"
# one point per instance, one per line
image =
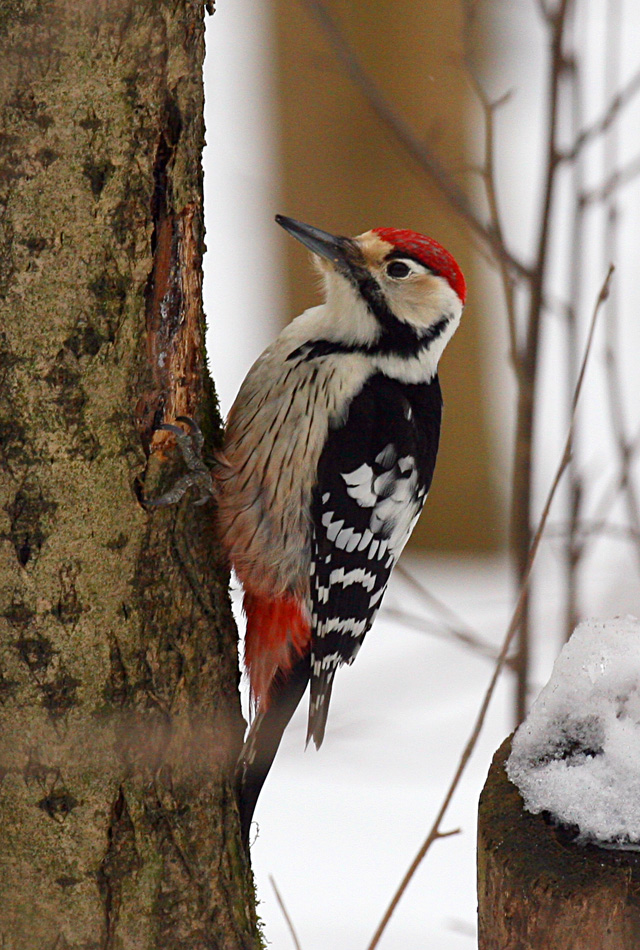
(373, 477)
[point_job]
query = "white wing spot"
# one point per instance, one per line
(333, 529)
(343, 537)
(344, 625)
(367, 537)
(353, 543)
(357, 576)
(323, 594)
(360, 486)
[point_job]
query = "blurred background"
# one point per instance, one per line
(304, 142)
(289, 130)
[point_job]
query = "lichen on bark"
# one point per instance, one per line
(119, 711)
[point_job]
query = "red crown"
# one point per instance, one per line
(428, 252)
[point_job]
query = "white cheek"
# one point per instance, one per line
(423, 304)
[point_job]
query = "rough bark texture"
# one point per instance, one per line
(537, 889)
(119, 710)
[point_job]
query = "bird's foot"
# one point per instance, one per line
(198, 475)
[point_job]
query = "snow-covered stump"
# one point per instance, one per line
(559, 864)
(538, 889)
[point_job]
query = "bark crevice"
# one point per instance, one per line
(119, 709)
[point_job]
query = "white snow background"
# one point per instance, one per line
(338, 828)
(577, 755)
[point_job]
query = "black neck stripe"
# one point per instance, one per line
(385, 346)
(400, 336)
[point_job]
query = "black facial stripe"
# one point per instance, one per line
(385, 346)
(400, 336)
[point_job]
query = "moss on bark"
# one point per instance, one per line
(119, 710)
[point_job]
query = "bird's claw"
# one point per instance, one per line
(198, 475)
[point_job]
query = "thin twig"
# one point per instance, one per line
(451, 618)
(441, 631)
(528, 376)
(543, 8)
(589, 528)
(488, 173)
(601, 125)
(615, 181)
(418, 150)
(434, 833)
(573, 547)
(451, 625)
(292, 931)
(610, 248)
(619, 481)
(602, 296)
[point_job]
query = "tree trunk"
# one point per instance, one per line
(119, 709)
(538, 889)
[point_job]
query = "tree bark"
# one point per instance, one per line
(119, 709)
(538, 889)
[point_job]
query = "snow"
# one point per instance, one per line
(337, 828)
(577, 755)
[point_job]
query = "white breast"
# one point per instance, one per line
(275, 433)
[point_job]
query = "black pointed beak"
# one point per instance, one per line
(338, 250)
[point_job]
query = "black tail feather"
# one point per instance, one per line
(263, 740)
(319, 699)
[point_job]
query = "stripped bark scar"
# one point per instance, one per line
(173, 312)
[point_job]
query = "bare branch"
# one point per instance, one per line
(488, 173)
(528, 376)
(434, 833)
(614, 182)
(622, 477)
(292, 931)
(421, 153)
(422, 624)
(452, 618)
(543, 10)
(601, 125)
(573, 548)
(452, 626)
(610, 248)
(602, 296)
(590, 527)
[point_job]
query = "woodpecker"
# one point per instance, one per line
(328, 455)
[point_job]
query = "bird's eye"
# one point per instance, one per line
(398, 269)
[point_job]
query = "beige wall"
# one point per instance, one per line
(343, 172)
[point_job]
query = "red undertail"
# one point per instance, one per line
(278, 633)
